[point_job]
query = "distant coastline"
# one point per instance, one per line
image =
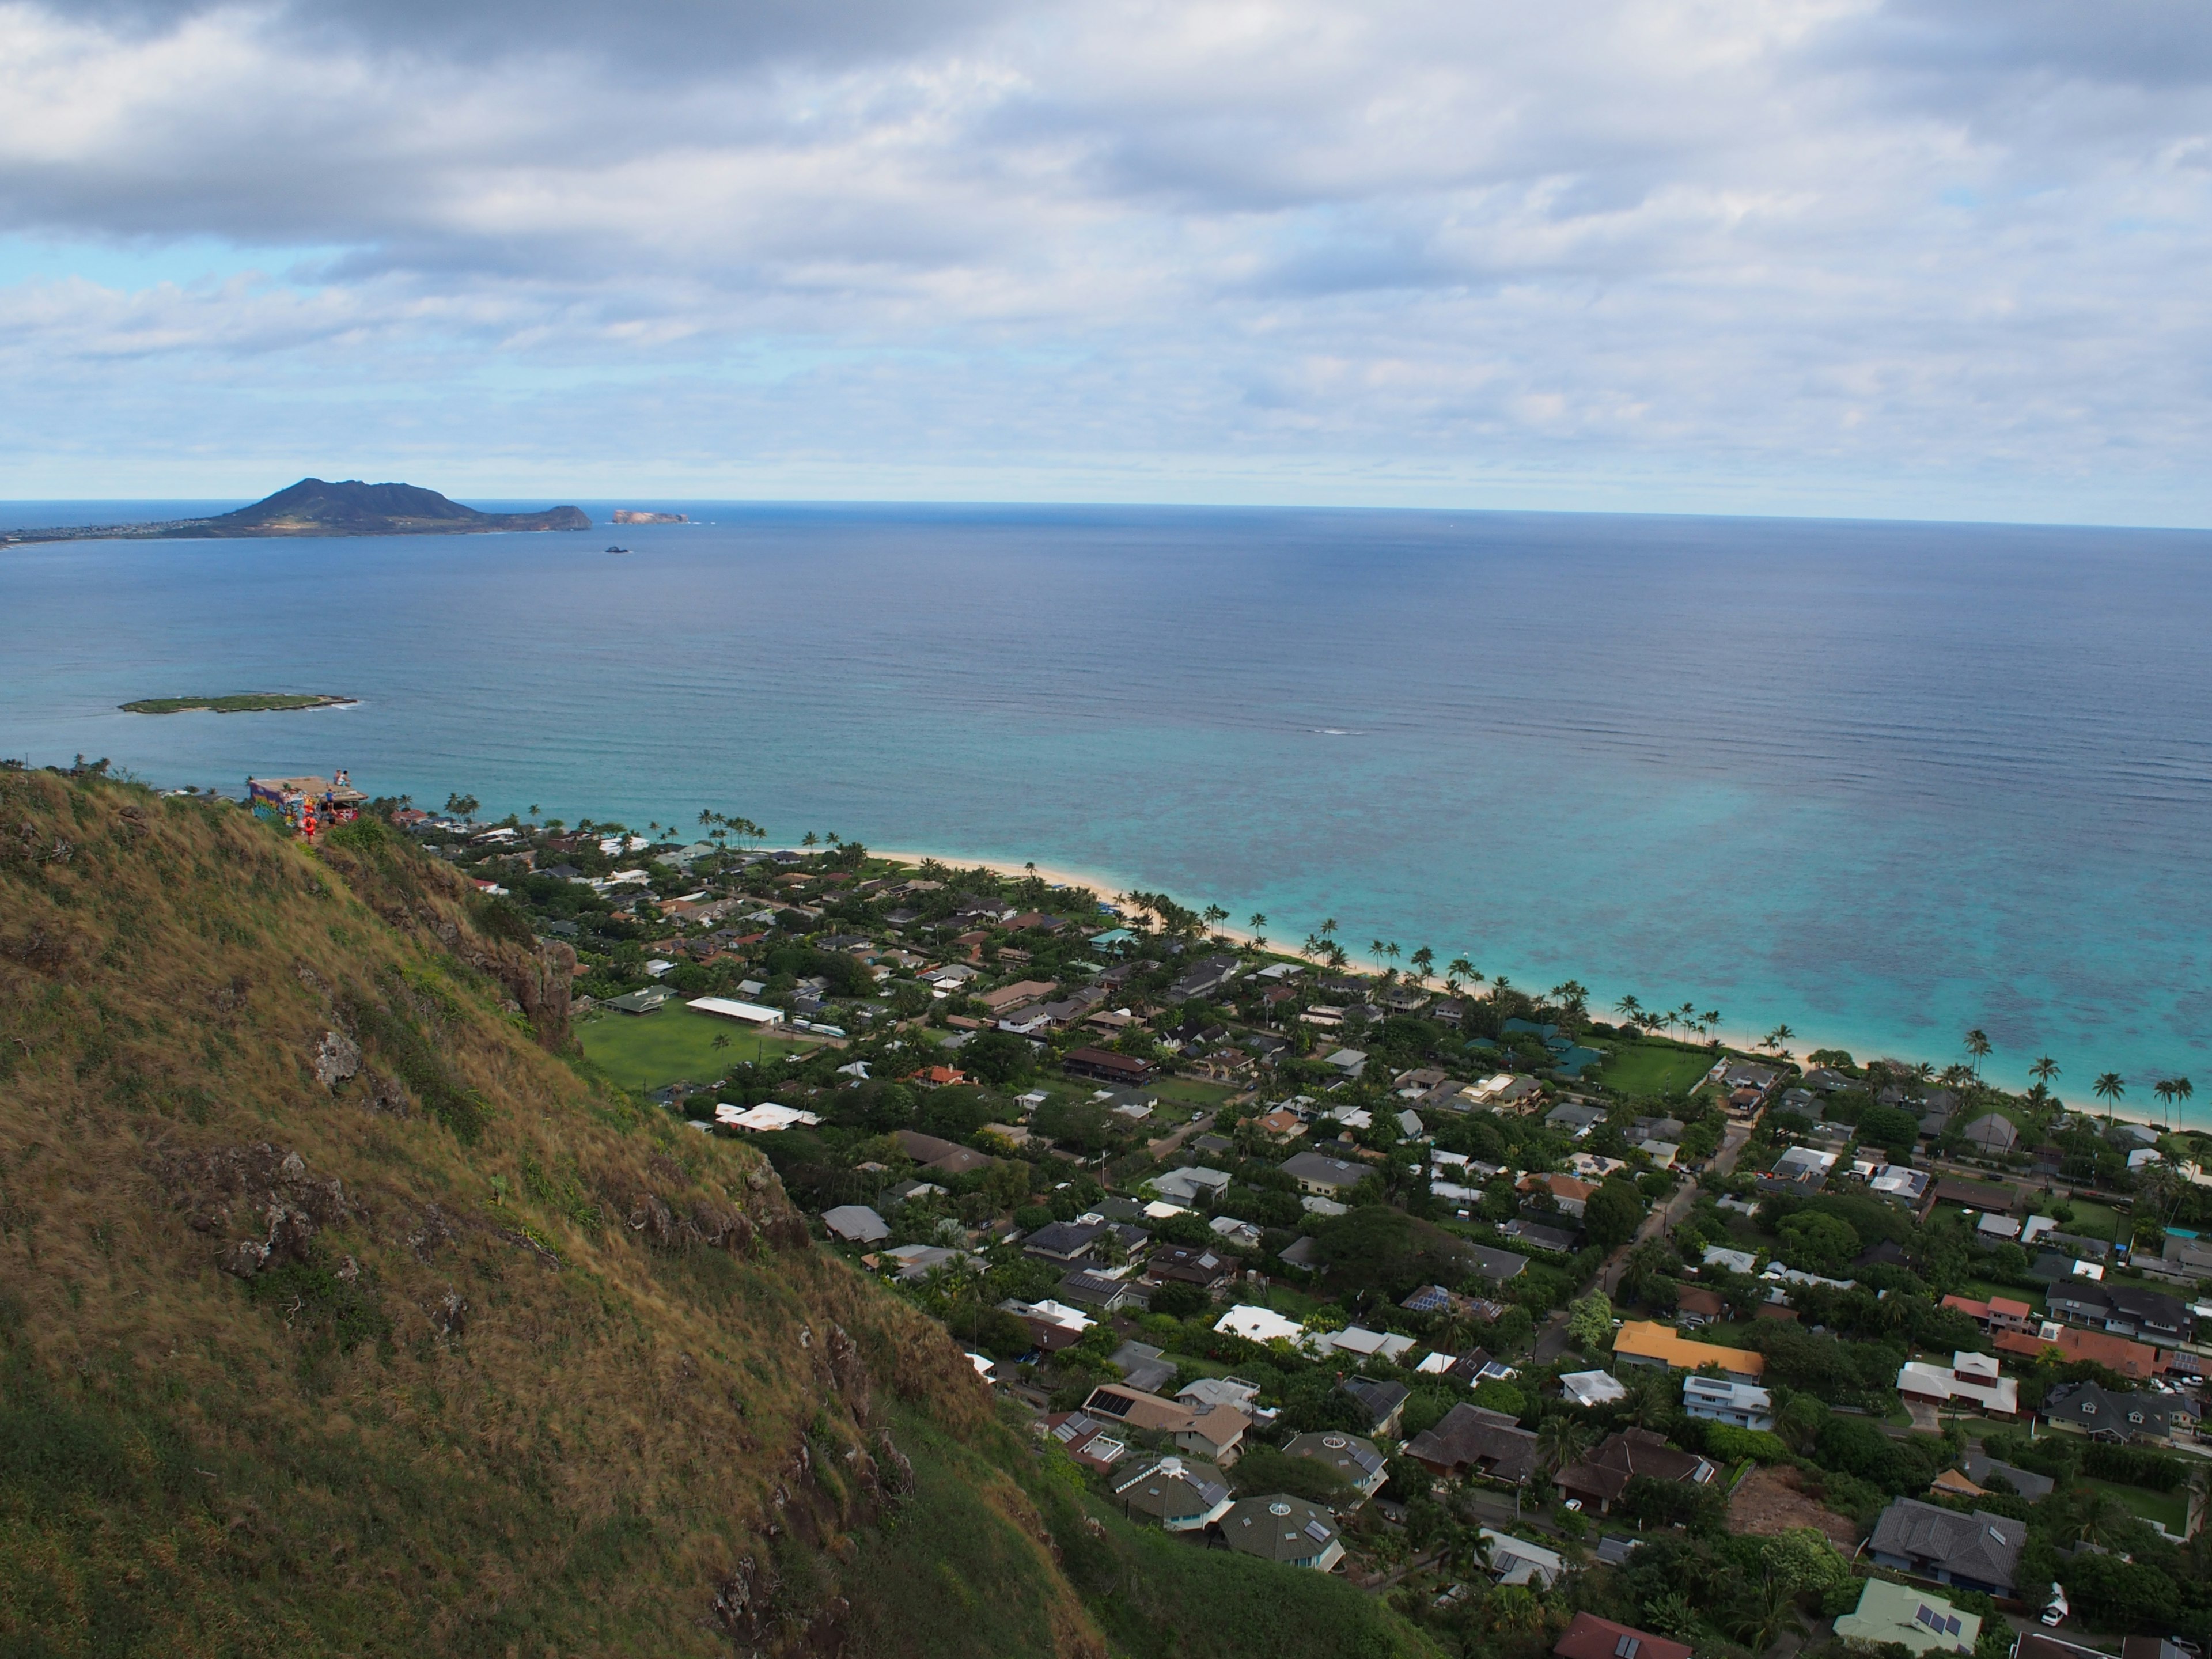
(240, 702)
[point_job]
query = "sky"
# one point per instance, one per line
(1940, 258)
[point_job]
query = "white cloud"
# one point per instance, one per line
(1831, 255)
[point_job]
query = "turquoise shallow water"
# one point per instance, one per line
(1883, 781)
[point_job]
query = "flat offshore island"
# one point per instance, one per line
(239, 702)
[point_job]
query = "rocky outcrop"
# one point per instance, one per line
(269, 1195)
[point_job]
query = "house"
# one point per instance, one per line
(1215, 1431)
(1982, 1195)
(1576, 1117)
(1201, 1393)
(1383, 1402)
(1557, 1241)
(1106, 1065)
(1800, 1170)
(1182, 1264)
(1646, 1342)
(1052, 1325)
(1694, 1305)
(1991, 1133)
(1976, 1552)
(1362, 1343)
(856, 1224)
(917, 1261)
(1104, 1290)
(1257, 1324)
(2115, 1353)
(1742, 1404)
(1997, 1314)
(1281, 1124)
(1571, 1195)
(1588, 1637)
(1476, 1441)
(1203, 978)
(1517, 1561)
(646, 1001)
(2127, 1310)
(1071, 1242)
(1281, 1528)
(1494, 1265)
(1188, 1186)
(1354, 1457)
(1601, 1478)
(1142, 1366)
(2108, 1415)
(764, 1119)
(2185, 1256)
(1089, 1440)
(1987, 1472)
(1176, 1494)
(1914, 1619)
(1243, 1234)
(1322, 1175)
(1592, 1387)
(1972, 1377)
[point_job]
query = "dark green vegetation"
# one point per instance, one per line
(238, 702)
(313, 507)
(342, 1314)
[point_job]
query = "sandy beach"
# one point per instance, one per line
(1109, 888)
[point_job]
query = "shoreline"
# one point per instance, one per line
(1107, 888)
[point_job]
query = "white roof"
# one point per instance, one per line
(1929, 1381)
(981, 1362)
(768, 1115)
(1741, 1262)
(1776, 1273)
(1257, 1324)
(1052, 1313)
(1998, 1226)
(752, 1013)
(1434, 1364)
(1358, 1339)
(1592, 1387)
(1719, 1391)
(1515, 1561)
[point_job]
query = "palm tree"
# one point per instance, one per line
(1327, 926)
(1259, 920)
(533, 809)
(1979, 1045)
(2164, 1090)
(2109, 1087)
(1776, 1038)
(1460, 968)
(1710, 1020)
(1422, 960)
(1628, 1005)
(2043, 1070)
(2183, 1090)
(1560, 1441)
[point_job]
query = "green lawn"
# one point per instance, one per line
(2092, 1220)
(2169, 1509)
(651, 1051)
(1189, 1091)
(1652, 1068)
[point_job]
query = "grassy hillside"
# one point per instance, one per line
(339, 1313)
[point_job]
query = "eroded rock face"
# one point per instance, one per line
(270, 1195)
(337, 1057)
(449, 1315)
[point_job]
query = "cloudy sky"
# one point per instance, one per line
(1933, 257)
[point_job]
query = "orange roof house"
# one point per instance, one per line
(2114, 1353)
(1647, 1342)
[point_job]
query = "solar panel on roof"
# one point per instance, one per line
(1950, 1626)
(1626, 1648)
(1317, 1532)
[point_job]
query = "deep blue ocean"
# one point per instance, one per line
(1883, 781)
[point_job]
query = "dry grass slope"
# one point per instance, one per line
(339, 1314)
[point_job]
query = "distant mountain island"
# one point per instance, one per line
(632, 515)
(313, 507)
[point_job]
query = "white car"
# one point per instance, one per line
(2057, 1609)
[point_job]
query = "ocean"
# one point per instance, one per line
(1883, 782)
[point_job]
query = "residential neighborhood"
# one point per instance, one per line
(1518, 1316)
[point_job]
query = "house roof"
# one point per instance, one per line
(1919, 1619)
(1324, 1171)
(1592, 1637)
(1353, 1456)
(1173, 1487)
(1605, 1472)
(1644, 1339)
(1469, 1437)
(1378, 1400)
(855, 1223)
(1278, 1528)
(1980, 1546)
(1493, 1264)
(1696, 1299)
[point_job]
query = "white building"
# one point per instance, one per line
(1256, 1324)
(1592, 1387)
(1972, 1377)
(1742, 1404)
